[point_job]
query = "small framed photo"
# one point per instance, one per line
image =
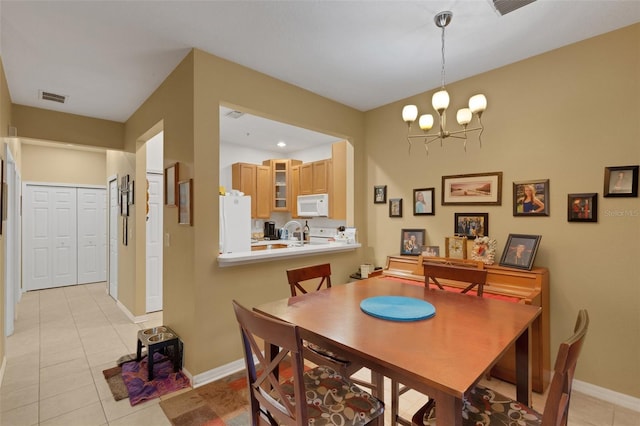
(484, 250)
(380, 194)
(471, 225)
(395, 207)
(185, 202)
(171, 185)
(431, 251)
(520, 251)
(455, 247)
(582, 207)
(621, 181)
(531, 198)
(472, 189)
(411, 241)
(424, 201)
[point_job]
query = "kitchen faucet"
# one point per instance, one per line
(291, 233)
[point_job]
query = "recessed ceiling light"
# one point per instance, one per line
(281, 144)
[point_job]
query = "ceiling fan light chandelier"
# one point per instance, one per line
(440, 102)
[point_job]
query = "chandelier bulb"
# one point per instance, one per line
(426, 122)
(440, 101)
(477, 103)
(409, 113)
(464, 116)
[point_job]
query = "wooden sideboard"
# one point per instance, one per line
(529, 287)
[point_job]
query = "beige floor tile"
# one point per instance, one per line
(63, 369)
(150, 415)
(111, 355)
(57, 355)
(12, 398)
(89, 415)
(115, 410)
(18, 376)
(67, 402)
(625, 417)
(61, 384)
(26, 415)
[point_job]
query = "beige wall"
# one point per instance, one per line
(62, 165)
(36, 123)
(562, 116)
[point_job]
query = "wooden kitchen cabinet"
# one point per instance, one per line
(295, 189)
(280, 183)
(314, 177)
(254, 180)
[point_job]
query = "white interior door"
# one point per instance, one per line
(113, 238)
(154, 243)
(91, 235)
(50, 250)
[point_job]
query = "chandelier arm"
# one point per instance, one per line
(409, 142)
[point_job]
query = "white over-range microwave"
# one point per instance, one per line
(313, 205)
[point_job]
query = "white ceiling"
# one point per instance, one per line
(109, 56)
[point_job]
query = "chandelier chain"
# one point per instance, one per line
(442, 71)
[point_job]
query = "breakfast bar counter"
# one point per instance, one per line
(267, 251)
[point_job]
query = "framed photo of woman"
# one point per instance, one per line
(531, 198)
(423, 201)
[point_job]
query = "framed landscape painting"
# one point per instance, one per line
(472, 189)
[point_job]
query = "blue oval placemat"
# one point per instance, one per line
(398, 308)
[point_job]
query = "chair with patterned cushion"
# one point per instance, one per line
(484, 406)
(319, 396)
(314, 278)
(457, 271)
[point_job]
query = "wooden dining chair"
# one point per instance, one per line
(307, 397)
(302, 280)
(485, 406)
(471, 274)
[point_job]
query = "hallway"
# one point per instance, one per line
(64, 338)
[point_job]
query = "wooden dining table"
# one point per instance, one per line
(443, 356)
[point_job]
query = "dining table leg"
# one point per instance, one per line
(523, 367)
(377, 380)
(449, 409)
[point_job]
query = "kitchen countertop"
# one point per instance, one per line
(241, 258)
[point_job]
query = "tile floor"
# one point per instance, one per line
(65, 337)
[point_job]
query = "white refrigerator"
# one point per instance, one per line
(235, 224)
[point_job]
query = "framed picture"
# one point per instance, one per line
(380, 194)
(455, 247)
(531, 198)
(424, 201)
(484, 250)
(471, 225)
(185, 202)
(395, 207)
(171, 185)
(124, 195)
(125, 233)
(520, 251)
(621, 181)
(582, 207)
(478, 189)
(431, 251)
(130, 193)
(411, 241)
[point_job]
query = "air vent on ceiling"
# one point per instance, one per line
(48, 96)
(235, 114)
(507, 6)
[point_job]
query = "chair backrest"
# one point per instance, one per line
(475, 275)
(269, 403)
(556, 408)
(322, 273)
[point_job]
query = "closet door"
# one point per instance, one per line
(50, 249)
(92, 218)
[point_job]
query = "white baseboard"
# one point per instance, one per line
(617, 398)
(133, 318)
(3, 367)
(217, 373)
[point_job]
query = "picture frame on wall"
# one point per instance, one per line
(621, 181)
(171, 174)
(455, 247)
(185, 202)
(531, 198)
(472, 189)
(471, 225)
(582, 207)
(411, 242)
(380, 194)
(520, 251)
(424, 201)
(395, 207)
